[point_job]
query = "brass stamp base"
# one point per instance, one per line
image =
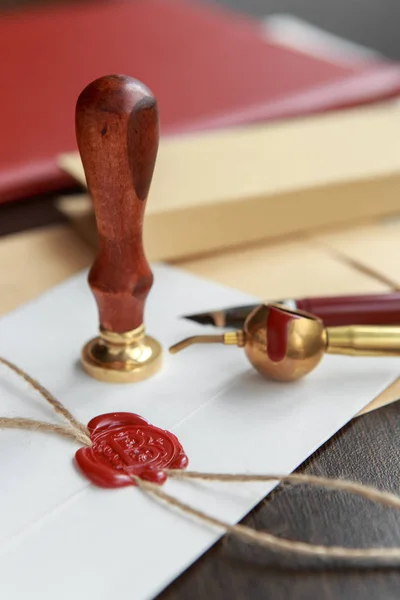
(122, 357)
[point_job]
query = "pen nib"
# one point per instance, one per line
(202, 318)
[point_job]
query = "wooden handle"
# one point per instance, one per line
(117, 134)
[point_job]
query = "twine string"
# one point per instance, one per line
(267, 540)
(342, 485)
(75, 430)
(80, 433)
(33, 425)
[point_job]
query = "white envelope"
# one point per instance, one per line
(60, 536)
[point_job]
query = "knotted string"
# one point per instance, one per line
(80, 433)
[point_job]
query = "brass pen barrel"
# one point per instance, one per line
(359, 340)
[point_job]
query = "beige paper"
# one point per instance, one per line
(374, 247)
(292, 267)
(33, 262)
(216, 190)
(289, 269)
(391, 394)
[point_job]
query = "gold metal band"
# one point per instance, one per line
(122, 357)
(126, 338)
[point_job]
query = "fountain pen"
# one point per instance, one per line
(370, 309)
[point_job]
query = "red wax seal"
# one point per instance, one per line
(124, 444)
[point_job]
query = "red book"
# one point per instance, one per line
(206, 66)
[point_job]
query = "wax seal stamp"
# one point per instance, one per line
(124, 445)
(117, 135)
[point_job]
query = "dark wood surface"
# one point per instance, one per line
(117, 134)
(366, 450)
